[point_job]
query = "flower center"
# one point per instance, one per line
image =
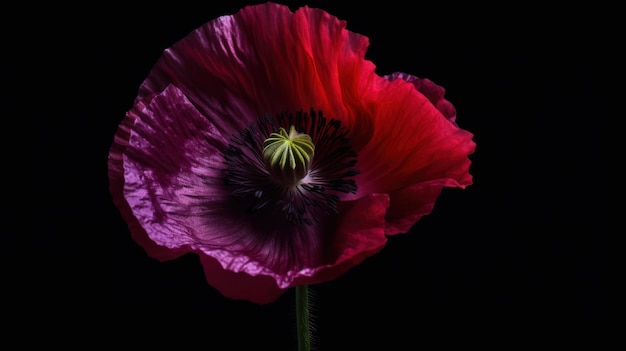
(271, 169)
(288, 155)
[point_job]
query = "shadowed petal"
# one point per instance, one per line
(359, 235)
(410, 204)
(240, 285)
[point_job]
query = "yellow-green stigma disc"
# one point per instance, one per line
(288, 156)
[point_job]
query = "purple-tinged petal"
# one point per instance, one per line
(359, 235)
(168, 153)
(174, 185)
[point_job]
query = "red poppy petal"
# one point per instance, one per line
(266, 59)
(432, 91)
(413, 143)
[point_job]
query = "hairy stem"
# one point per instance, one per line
(302, 318)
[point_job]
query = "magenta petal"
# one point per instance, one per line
(174, 190)
(172, 159)
(116, 187)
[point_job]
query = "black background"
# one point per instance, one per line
(521, 255)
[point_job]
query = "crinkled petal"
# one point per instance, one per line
(173, 184)
(174, 189)
(169, 156)
(266, 59)
(116, 187)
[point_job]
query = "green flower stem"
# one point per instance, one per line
(302, 318)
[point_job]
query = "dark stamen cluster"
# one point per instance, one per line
(315, 196)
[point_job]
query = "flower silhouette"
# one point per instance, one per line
(266, 144)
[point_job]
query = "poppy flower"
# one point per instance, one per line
(265, 143)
